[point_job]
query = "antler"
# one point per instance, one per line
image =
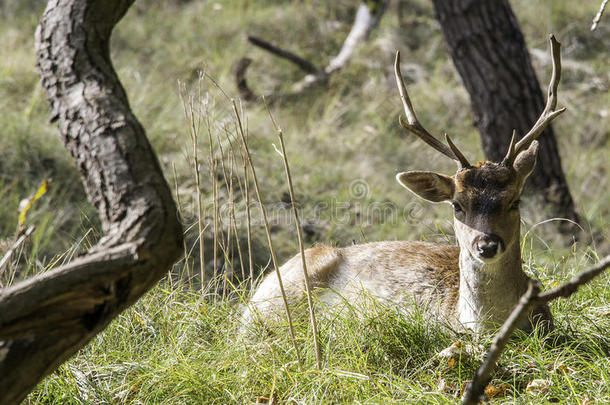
(548, 114)
(415, 127)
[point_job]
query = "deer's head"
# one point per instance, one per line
(485, 197)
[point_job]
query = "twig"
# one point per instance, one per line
(532, 298)
(598, 16)
(297, 221)
(268, 232)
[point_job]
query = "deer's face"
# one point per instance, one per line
(485, 200)
(486, 210)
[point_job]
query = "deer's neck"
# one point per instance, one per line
(488, 292)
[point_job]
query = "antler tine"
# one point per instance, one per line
(549, 113)
(413, 125)
(510, 155)
(463, 162)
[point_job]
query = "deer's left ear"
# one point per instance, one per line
(526, 160)
(428, 185)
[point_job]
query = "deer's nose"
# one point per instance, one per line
(488, 245)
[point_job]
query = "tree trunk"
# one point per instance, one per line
(46, 319)
(489, 53)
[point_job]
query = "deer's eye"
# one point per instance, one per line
(457, 207)
(515, 205)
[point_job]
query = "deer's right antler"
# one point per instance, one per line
(548, 114)
(413, 125)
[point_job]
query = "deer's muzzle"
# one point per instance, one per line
(488, 246)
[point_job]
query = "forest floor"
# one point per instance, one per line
(344, 144)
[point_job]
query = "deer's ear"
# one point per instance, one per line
(526, 160)
(428, 185)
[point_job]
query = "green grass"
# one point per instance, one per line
(172, 347)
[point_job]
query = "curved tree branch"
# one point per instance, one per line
(367, 17)
(46, 319)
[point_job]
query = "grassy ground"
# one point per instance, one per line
(344, 146)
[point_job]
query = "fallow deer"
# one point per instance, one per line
(471, 286)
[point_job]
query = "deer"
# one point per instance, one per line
(472, 286)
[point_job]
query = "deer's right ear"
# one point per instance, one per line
(428, 185)
(526, 160)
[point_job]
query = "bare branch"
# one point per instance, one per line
(532, 298)
(302, 63)
(598, 16)
(367, 18)
(413, 125)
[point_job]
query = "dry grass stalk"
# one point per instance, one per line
(213, 166)
(6, 259)
(246, 192)
(194, 127)
(268, 232)
(229, 265)
(297, 222)
(226, 246)
(233, 217)
(179, 206)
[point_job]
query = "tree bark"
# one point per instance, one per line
(489, 53)
(46, 319)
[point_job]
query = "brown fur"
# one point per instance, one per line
(399, 272)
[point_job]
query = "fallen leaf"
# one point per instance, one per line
(561, 367)
(266, 399)
(451, 351)
(461, 351)
(445, 386)
(491, 391)
(539, 385)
